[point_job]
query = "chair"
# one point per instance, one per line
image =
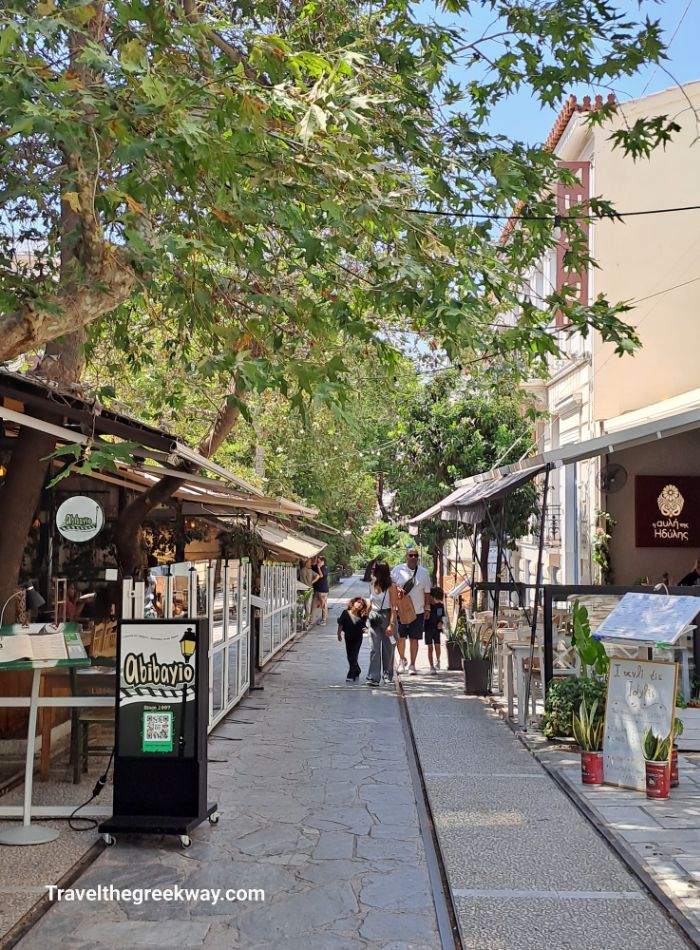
(99, 680)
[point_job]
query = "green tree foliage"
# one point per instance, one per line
(386, 542)
(247, 174)
(452, 429)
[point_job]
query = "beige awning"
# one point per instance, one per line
(289, 542)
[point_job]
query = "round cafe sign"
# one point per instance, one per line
(80, 518)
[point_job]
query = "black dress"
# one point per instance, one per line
(353, 629)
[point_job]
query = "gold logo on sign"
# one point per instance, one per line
(670, 502)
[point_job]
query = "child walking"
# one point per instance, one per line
(433, 627)
(352, 623)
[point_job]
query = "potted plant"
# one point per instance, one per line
(477, 655)
(588, 732)
(658, 766)
(676, 732)
(688, 711)
(454, 639)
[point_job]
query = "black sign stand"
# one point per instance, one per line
(162, 704)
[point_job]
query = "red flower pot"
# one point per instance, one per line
(592, 768)
(674, 767)
(658, 779)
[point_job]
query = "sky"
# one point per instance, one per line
(520, 117)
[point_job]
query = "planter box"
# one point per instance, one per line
(690, 740)
(476, 677)
(454, 657)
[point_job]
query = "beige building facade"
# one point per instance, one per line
(653, 262)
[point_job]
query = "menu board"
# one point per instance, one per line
(649, 618)
(641, 694)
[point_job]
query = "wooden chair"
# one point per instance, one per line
(103, 651)
(99, 681)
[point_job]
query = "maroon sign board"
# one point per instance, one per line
(667, 511)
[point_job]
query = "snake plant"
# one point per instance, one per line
(588, 727)
(655, 747)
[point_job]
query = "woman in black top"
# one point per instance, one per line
(352, 623)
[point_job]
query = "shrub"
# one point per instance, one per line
(564, 698)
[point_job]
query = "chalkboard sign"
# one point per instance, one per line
(649, 618)
(641, 694)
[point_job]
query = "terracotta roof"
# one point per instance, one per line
(570, 107)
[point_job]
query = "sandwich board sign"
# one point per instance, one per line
(641, 695)
(160, 762)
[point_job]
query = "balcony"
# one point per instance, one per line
(553, 525)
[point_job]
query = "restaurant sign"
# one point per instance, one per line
(667, 511)
(80, 518)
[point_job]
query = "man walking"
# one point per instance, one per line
(413, 584)
(320, 586)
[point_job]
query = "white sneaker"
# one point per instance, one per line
(433, 671)
(437, 664)
(402, 666)
(412, 670)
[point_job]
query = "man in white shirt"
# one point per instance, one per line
(414, 577)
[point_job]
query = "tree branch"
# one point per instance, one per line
(73, 305)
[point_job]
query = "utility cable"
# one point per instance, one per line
(90, 823)
(556, 218)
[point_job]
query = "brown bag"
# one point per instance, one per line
(406, 610)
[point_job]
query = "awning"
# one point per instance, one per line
(289, 542)
(602, 445)
(467, 503)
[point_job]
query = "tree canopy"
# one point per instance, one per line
(249, 174)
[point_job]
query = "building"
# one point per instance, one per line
(652, 260)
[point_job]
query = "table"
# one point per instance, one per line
(517, 651)
(26, 834)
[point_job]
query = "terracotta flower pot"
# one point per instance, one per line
(592, 768)
(658, 779)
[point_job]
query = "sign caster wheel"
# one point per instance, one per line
(185, 841)
(214, 818)
(109, 840)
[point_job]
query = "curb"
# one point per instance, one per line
(45, 903)
(447, 919)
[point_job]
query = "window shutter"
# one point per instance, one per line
(567, 197)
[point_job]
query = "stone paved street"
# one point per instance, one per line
(314, 784)
(317, 808)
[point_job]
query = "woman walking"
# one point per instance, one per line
(352, 623)
(382, 622)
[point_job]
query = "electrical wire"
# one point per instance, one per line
(668, 45)
(90, 823)
(556, 218)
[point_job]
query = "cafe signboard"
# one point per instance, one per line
(80, 518)
(667, 511)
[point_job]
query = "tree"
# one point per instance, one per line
(246, 174)
(453, 429)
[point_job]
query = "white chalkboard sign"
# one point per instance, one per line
(641, 694)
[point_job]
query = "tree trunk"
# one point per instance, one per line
(131, 552)
(380, 497)
(18, 503)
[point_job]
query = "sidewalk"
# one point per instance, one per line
(526, 869)
(314, 782)
(316, 807)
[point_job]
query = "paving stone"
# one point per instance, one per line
(383, 927)
(334, 844)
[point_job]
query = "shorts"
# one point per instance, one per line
(432, 636)
(412, 630)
